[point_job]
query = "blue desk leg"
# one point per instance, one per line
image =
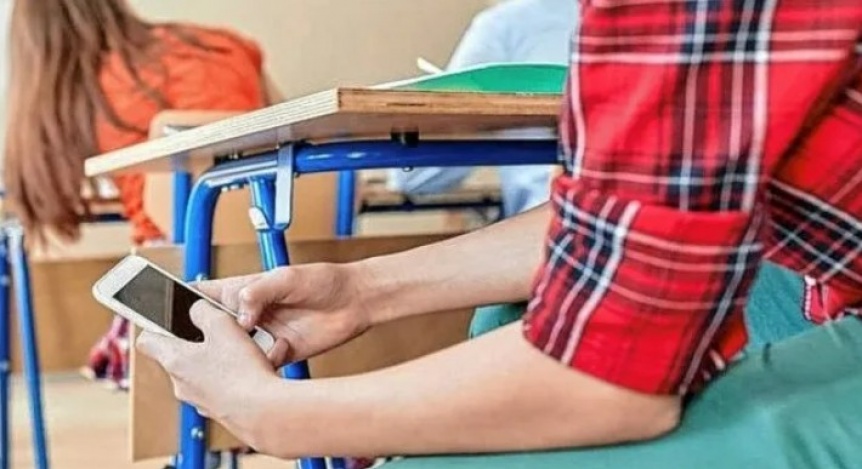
(345, 223)
(346, 204)
(182, 186)
(5, 339)
(273, 253)
(27, 323)
(182, 191)
(198, 250)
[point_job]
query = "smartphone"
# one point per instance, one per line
(158, 302)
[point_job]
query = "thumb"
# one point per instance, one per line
(209, 319)
(257, 296)
(279, 354)
(165, 350)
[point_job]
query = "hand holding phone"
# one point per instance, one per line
(158, 302)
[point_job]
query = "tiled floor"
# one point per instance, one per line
(87, 428)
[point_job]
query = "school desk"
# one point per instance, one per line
(343, 130)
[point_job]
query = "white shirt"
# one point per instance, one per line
(521, 31)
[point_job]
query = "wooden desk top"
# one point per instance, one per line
(344, 113)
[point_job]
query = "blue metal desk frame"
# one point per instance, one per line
(15, 272)
(270, 177)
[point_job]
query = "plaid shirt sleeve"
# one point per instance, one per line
(699, 136)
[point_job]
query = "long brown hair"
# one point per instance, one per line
(58, 48)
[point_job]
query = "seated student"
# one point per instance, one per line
(638, 271)
(88, 76)
(522, 31)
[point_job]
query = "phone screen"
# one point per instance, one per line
(163, 301)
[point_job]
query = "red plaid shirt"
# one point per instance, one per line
(700, 137)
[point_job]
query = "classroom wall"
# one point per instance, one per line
(5, 11)
(313, 45)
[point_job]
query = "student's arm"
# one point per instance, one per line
(496, 393)
(315, 307)
(493, 265)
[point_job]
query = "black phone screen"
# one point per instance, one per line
(163, 301)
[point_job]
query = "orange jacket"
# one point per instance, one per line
(226, 76)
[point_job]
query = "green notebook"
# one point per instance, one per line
(491, 78)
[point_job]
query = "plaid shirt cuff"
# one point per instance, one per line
(825, 303)
(645, 297)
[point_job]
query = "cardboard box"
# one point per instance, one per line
(155, 411)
